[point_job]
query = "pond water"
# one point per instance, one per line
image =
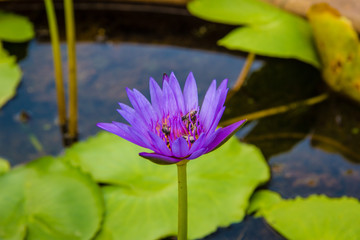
(312, 149)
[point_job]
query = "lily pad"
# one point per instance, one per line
(267, 30)
(10, 76)
(48, 199)
(315, 217)
(339, 49)
(4, 166)
(15, 28)
(261, 200)
(143, 195)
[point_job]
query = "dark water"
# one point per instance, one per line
(312, 149)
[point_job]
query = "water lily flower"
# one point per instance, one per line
(173, 125)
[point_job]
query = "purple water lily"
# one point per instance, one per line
(173, 125)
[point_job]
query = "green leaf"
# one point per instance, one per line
(339, 53)
(144, 195)
(12, 217)
(47, 199)
(15, 28)
(268, 30)
(262, 199)
(10, 76)
(4, 166)
(315, 217)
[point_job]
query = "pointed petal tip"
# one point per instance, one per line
(104, 125)
(165, 77)
(191, 75)
(190, 93)
(224, 134)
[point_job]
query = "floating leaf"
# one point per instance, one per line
(4, 166)
(339, 49)
(261, 200)
(10, 76)
(315, 217)
(268, 30)
(47, 199)
(15, 28)
(144, 195)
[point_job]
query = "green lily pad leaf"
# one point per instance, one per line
(48, 199)
(15, 28)
(4, 166)
(10, 76)
(339, 49)
(261, 200)
(268, 30)
(144, 195)
(315, 217)
(12, 218)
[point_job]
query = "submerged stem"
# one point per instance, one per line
(182, 200)
(55, 44)
(70, 37)
(276, 110)
(244, 72)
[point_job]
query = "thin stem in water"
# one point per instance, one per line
(70, 37)
(244, 72)
(182, 200)
(55, 43)
(277, 110)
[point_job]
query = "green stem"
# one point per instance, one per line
(182, 200)
(70, 38)
(55, 43)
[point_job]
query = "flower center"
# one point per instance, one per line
(186, 126)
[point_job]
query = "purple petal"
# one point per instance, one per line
(159, 159)
(124, 131)
(208, 107)
(190, 93)
(156, 96)
(221, 93)
(132, 117)
(171, 107)
(159, 144)
(180, 148)
(199, 143)
(216, 121)
(197, 153)
(173, 82)
(224, 134)
(141, 105)
(165, 77)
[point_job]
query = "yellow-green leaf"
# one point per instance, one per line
(10, 76)
(339, 49)
(313, 218)
(266, 30)
(15, 28)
